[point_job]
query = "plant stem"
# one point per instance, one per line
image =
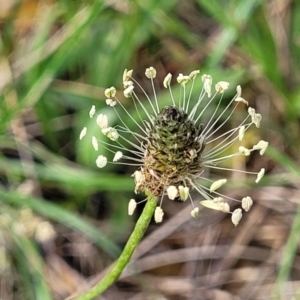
(132, 243)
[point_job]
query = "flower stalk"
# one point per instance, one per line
(123, 260)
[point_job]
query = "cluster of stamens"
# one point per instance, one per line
(172, 149)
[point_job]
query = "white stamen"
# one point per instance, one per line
(138, 176)
(95, 143)
(260, 175)
(217, 184)
(127, 84)
(110, 92)
(183, 192)
(247, 202)
(216, 204)
(181, 79)
(92, 111)
(241, 133)
(239, 91)
(118, 156)
(207, 82)
(128, 91)
(83, 133)
(210, 204)
(194, 74)
(262, 146)
(240, 99)
(251, 111)
(127, 74)
(101, 161)
(172, 192)
(158, 214)
(139, 179)
(131, 207)
(225, 207)
(244, 151)
(167, 80)
(102, 121)
(222, 86)
(195, 213)
(150, 72)
(111, 133)
(256, 119)
(236, 216)
(111, 102)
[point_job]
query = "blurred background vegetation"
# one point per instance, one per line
(62, 220)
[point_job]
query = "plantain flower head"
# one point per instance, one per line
(176, 145)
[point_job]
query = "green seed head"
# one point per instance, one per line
(174, 150)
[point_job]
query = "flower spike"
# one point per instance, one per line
(179, 147)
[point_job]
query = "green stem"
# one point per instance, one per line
(132, 243)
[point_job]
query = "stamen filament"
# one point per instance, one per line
(126, 111)
(147, 97)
